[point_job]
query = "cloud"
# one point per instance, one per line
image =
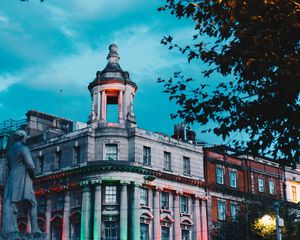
(7, 80)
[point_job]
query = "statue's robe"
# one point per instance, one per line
(18, 186)
(19, 183)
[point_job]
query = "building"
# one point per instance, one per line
(110, 179)
(235, 179)
(292, 180)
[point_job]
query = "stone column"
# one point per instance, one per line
(150, 195)
(48, 217)
(121, 115)
(156, 213)
(66, 217)
(196, 234)
(135, 212)
(177, 228)
(103, 106)
(204, 227)
(97, 212)
(98, 103)
(124, 212)
(85, 230)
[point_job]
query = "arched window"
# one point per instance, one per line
(56, 227)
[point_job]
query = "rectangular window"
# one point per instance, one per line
(144, 196)
(111, 152)
(220, 175)
(233, 178)
(77, 198)
(165, 233)
(147, 156)
(164, 200)
(41, 205)
(110, 196)
(60, 201)
(40, 165)
(57, 202)
(221, 210)
(57, 160)
(233, 212)
(185, 234)
(110, 230)
(167, 161)
(186, 166)
(184, 204)
(261, 185)
(271, 187)
(76, 155)
(294, 194)
(144, 231)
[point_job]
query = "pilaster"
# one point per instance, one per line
(204, 227)
(48, 217)
(97, 211)
(156, 213)
(124, 211)
(66, 217)
(177, 228)
(85, 233)
(135, 212)
(196, 233)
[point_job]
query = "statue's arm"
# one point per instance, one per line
(28, 161)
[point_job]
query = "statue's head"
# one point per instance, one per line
(20, 135)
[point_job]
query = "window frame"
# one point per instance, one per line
(221, 216)
(220, 169)
(273, 187)
(294, 193)
(235, 215)
(110, 195)
(147, 156)
(186, 165)
(164, 200)
(167, 161)
(184, 204)
(145, 232)
(261, 184)
(144, 196)
(107, 153)
(233, 171)
(162, 232)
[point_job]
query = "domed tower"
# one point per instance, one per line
(112, 94)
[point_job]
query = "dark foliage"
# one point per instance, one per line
(255, 46)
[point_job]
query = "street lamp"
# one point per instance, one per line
(279, 221)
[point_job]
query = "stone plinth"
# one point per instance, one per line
(25, 236)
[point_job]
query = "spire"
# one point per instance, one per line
(113, 56)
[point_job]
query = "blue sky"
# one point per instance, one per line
(45, 47)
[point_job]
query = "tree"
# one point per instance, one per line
(254, 45)
(251, 224)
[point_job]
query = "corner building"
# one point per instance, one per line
(110, 179)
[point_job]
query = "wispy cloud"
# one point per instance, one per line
(7, 80)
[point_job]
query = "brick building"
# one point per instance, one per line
(233, 180)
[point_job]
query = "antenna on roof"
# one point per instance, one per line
(60, 103)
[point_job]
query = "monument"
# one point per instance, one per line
(19, 191)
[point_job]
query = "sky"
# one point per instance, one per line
(53, 45)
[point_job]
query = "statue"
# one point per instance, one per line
(19, 190)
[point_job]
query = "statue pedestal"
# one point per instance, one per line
(25, 236)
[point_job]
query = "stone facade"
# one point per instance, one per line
(113, 180)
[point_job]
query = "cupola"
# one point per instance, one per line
(112, 94)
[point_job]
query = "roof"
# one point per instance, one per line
(112, 70)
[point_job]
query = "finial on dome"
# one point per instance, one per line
(113, 56)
